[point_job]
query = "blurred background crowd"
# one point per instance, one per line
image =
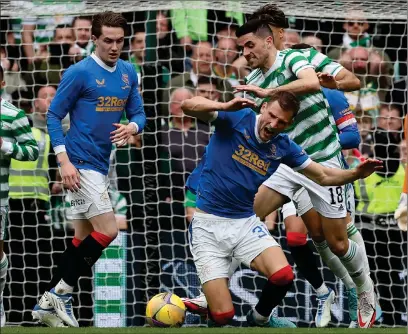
(194, 53)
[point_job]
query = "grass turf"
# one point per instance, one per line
(197, 330)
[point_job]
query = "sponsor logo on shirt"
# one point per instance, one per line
(110, 104)
(251, 160)
(100, 83)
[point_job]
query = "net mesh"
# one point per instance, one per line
(151, 253)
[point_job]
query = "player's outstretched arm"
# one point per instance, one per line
(344, 80)
(205, 109)
(336, 177)
(25, 148)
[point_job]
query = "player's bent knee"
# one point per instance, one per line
(296, 239)
(338, 247)
(283, 276)
(222, 318)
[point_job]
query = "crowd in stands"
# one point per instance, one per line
(195, 54)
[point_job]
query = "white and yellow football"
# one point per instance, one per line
(165, 310)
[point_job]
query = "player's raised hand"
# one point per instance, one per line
(327, 80)
(122, 133)
(238, 103)
(368, 167)
(258, 91)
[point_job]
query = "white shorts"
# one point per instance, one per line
(350, 200)
(92, 199)
(300, 204)
(215, 240)
(3, 220)
(328, 201)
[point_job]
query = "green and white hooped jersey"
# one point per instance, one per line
(313, 128)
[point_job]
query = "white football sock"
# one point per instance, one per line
(354, 263)
(354, 234)
(334, 264)
(63, 288)
(3, 272)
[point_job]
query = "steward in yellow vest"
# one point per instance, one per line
(29, 179)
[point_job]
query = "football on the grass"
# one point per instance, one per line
(165, 310)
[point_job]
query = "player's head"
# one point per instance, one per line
(255, 40)
(108, 34)
(276, 19)
(277, 114)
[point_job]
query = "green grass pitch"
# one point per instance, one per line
(197, 330)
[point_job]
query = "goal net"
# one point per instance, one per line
(151, 253)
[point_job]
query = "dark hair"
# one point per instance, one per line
(137, 30)
(256, 26)
(271, 14)
(62, 26)
(1, 73)
(76, 18)
(301, 46)
(203, 80)
(107, 19)
(287, 101)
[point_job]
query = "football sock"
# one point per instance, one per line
(274, 291)
(354, 234)
(305, 261)
(335, 265)
(3, 272)
(354, 263)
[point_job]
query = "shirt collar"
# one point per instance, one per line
(258, 117)
(102, 64)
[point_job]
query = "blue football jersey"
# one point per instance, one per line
(95, 96)
(237, 162)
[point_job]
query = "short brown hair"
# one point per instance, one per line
(287, 101)
(107, 19)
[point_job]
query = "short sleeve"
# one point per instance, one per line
(296, 62)
(295, 156)
(229, 119)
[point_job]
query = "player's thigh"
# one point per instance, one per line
(211, 245)
(255, 239)
(335, 233)
(218, 295)
(313, 223)
(92, 202)
(105, 223)
(82, 228)
(267, 200)
(269, 261)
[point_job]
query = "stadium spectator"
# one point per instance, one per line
(47, 67)
(11, 75)
(291, 37)
(378, 197)
(391, 120)
(30, 233)
(367, 97)
(138, 51)
(314, 41)
(356, 36)
(201, 60)
(169, 51)
(225, 53)
(83, 46)
(37, 32)
(207, 87)
(365, 127)
(183, 143)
